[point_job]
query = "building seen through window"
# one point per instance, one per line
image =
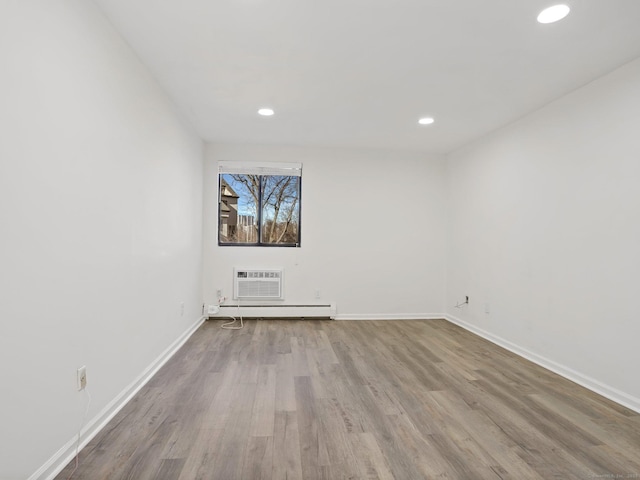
(259, 209)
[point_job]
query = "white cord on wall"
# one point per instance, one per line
(82, 423)
(231, 325)
(462, 304)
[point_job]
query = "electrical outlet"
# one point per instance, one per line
(82, 378)
(317, 293)
(487, 308)
(219, 293)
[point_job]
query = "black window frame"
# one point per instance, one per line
(259, 214)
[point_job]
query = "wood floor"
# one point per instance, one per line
(288, 399)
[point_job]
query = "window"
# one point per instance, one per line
(259, 204)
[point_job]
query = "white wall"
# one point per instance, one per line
(544, 225)
(101, 207)
(372, 231)
(100, 217)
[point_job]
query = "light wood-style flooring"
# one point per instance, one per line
(295, 399)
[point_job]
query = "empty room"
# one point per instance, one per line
(246, 239)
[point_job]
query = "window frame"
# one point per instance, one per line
(260, 170)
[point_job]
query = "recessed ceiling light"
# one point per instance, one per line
(266, 112)
(553, 14)
(426, 121)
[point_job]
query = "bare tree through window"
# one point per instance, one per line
(259, 210)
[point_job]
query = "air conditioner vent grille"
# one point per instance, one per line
(257, 284)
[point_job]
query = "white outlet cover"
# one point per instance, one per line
(82, 378)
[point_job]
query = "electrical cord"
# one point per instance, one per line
(460, 305)
(84, 419)
(230, 325)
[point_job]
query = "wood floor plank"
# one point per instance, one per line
(286, 450)
(299, 354)
(311, 449)
(264, 407)
(319, 399)
(412, 450)
(335, 439)
(321, 388)
(219, 407)
(370, 458)
(169, 468)
(233, 443)
(202, 456)
(484, 432)
(285, 388)
(258, 460)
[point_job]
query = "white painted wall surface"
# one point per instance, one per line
(372, 231)
(100, 218)
(544, 225)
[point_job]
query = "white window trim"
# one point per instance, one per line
(260, 168)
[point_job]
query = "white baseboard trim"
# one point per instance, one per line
(390, 316)
(592, 384)
(62, 457)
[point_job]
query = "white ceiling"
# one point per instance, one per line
(359, 73)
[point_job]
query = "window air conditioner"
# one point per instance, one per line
(257, 284)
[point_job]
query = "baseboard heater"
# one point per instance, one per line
(278, 311)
